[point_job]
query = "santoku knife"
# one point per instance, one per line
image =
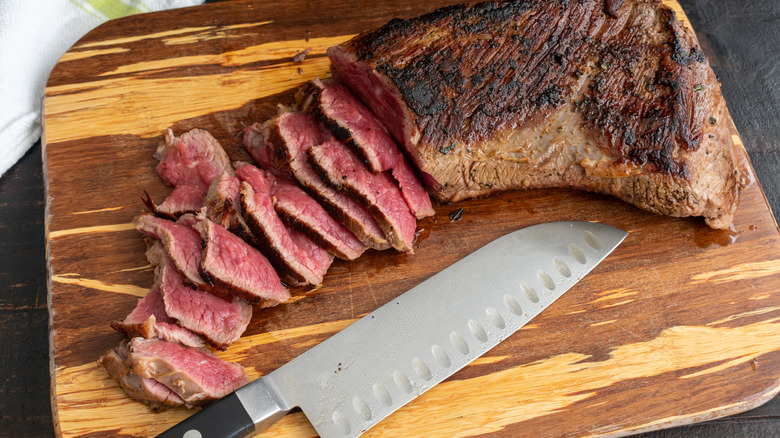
(362, 374)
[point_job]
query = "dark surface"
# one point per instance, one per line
(742, 41)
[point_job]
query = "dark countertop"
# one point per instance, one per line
(742, 41)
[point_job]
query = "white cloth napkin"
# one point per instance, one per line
(34, 34)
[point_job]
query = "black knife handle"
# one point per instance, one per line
(225, 418)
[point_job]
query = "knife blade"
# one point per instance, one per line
(354, 379)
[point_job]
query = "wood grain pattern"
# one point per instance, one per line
(680, 324)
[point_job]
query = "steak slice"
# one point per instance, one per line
(297, 265)
(223, 206)
(221, 322)
(236, 268)
(356, 126)
(377, 191)
(303, 213)
(149, 320)
(193, 374)
(506, 95)
(145, 390)
(181, 243)
(189, 163)
(289, 136)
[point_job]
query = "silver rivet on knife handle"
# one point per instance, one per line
(362, 374)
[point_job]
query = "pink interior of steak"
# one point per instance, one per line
(194, 374)
(221, 322)
(379, 192)
(149, 320)
(181, 243)
(298, 132)
(308, 264)
(237, 267)
(384, 100)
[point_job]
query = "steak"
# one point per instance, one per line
(221, 322)
(287, 138)
(235, 268)
(355, 125)
(282, 245)
(189, 163)
(378, 192)
(149, 320)
(195, 375)
(145, 390)
(614, 98)
(303, 213)
(181, 242)
(223, 206)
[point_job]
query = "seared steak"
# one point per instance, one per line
(517, 94)
(223, 206)
(188, 163)
(221, 322)
(288, 137)
(195, 375)
(148, 391)
(236, 268)
(303, 213)
(149, 320)
(378, 192)
(355, 125)
(281, 244)
(181, 243)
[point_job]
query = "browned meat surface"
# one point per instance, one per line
(615, 98)
(193, 376)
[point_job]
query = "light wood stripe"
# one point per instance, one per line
(128, 289)
(74, 56)
(88, 230)
(98, 210)
(198, 95)
(743, 271)
(211, 34)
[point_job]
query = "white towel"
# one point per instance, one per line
(34, 34)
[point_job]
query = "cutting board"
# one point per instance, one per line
(681, 324)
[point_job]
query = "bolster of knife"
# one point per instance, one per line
(225, 418)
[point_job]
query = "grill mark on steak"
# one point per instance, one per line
(288, 137)
(378, 192)
(189, 163)
(607, 97)
(297, 259)
(223, 206)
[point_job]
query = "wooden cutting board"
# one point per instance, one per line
(681, 324)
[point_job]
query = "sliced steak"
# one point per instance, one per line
(303, 213)
(236, 268)
(289, 136)
(193, 374)
(221, 322)
(181, 242)
(149, 320)
(189, 163)
(356, 126)
(223, 206)
(145, 390)
(295, 264)
(504, 95)
(377, 191)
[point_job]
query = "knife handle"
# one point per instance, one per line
(251, 409)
